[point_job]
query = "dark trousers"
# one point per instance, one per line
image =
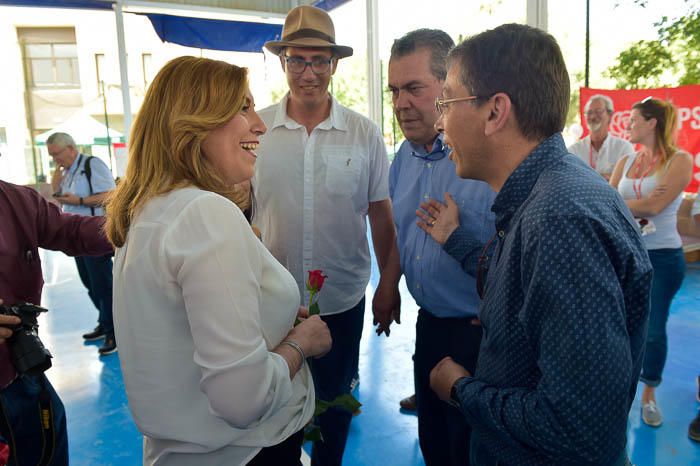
(96, 274)
(332, 375)
(287, 453)
(21, 410)
(443, 432)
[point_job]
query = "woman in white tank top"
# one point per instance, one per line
(652, 183)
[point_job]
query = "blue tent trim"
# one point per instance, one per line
(200, 33)
(214, 34)
(328, 5)
(82, 4)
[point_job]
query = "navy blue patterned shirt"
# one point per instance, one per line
(564, 316)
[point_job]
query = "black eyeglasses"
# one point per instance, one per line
(318, 65)
(438, 153)
(598, 112)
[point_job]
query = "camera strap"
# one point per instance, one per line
(46, 418)
(47, 425)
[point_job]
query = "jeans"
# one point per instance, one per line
(669, 270)
(96, 274)
(443, 432)
(19, 405)
(332, 375)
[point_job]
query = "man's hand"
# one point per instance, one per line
(56, 178)
(7, 321)
(444, 375)
(386, 306)
(68, 198)
(437, 219)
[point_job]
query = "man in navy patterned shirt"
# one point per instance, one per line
(566, 297)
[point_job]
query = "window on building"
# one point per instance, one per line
(51, 56)
(99, 70)
(147, 67)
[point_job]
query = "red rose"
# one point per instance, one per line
(315, 281)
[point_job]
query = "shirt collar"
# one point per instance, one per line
(606, 142)
(337, 118)
(520, 183)
(438, 146)
(76, 163)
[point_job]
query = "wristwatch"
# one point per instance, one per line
(80, 199)
(454, 399)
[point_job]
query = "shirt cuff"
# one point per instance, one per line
(460, 243)
(467, 390)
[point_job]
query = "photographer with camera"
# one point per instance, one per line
(32, 417)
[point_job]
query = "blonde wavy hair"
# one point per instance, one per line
(666, 126)
(187, 99)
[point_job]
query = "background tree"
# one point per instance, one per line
(670, 60)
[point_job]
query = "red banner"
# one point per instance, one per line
(685, 98)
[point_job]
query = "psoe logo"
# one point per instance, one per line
(618, 124)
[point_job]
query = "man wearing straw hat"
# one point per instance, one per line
(322, 170)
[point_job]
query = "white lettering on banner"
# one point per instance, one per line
(696, 175)
(695, 123)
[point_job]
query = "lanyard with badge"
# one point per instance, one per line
(591, 160)
(646, 226)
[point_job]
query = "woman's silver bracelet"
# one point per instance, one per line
(298, 349)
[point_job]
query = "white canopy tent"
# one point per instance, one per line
(84, 129)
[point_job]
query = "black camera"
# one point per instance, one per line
(29, 356)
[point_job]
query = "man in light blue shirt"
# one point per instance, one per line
(81, 184)
(448, 318)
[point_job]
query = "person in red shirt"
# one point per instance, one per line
(29, 222)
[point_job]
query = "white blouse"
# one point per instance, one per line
(199, 304)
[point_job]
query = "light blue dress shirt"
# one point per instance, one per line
(434, 278)
(76, 182)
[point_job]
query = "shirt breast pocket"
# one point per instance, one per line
(342, 171)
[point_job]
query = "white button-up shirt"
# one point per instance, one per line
(312, 194)
(75, 181)
(199, 305)
(603, 161)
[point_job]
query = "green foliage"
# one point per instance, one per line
(349, 85)
(670, 60)
(577, 80)
(312, 432)
(346, 402)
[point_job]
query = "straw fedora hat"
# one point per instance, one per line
(308, 27)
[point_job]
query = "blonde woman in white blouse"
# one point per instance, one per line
(213, 366)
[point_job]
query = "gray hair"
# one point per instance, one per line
(607, 100)
(61, 140)
(435, 40)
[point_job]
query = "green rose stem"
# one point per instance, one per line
(312, 432)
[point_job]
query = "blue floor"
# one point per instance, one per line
(101, 431)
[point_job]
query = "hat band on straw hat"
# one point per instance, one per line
(308, 33)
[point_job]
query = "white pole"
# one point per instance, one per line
(537, 14)
(123, 70)
(374, 85)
